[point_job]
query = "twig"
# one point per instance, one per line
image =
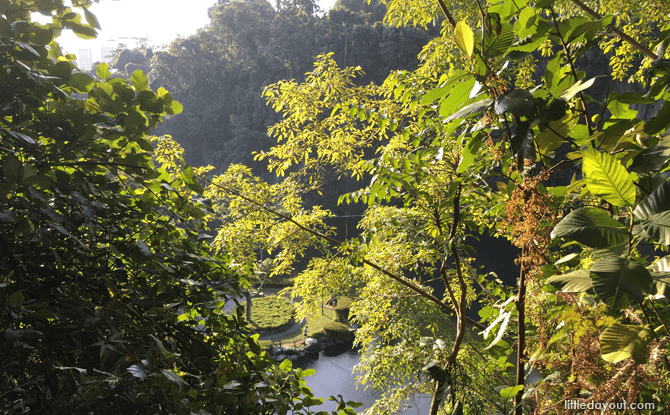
(399, 279)
(618, 33)
(574, 73)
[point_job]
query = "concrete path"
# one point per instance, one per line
(292, 328)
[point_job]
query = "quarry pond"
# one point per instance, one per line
(334, 376)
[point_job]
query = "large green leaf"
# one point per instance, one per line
(496, 46)
(518, 102)
(469, 152)
(592, 227)
(443, 90)
(522, 142)
(658, 227)
(470, 109)
(660, 121)
(621, 341)
(619, 282)
(658, 201)
(605, 177)
(569, 93)
(653, 158)
(660, 273)
(573, 282)
(457, 97)
(465, 39)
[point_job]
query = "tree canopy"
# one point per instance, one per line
(111, 290)
(495, 133)
(110, 293)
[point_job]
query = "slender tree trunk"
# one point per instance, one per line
(521, 340)
(346, 41)
(247, 294)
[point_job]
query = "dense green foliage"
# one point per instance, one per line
(110, 295)
(494, 132)
(220, 72)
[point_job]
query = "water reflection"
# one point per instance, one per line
(333, 376)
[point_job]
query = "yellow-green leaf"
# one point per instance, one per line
(465, 39)
(621, 341)
(606, 178)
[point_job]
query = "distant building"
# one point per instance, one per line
(85, 59)
(106, 53)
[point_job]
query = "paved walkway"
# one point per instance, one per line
(292, 328)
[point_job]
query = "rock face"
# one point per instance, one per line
(310, 349)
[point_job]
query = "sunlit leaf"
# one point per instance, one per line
(573, 282)
(465, 39)
(605, 177)
(621, 341)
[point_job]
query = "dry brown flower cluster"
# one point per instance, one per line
(530, 218)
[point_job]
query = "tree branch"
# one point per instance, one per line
(399, 279)
(618, 33)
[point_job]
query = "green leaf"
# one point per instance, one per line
(658, 201)
(511, 392)
(605, 177)
(465, 39)
(470, 109)
(5, 29)
(286, 365)
(83, 32)
(592, 227)
(17, 298)
(81, 82)
(139, 80)
(573, 282)
(63, 70)
(518, 102)
(576, 88)
(652, 159)
(11, 169)
(660, 121)
(522, 142)
(524, 25)
(469, 152)
(621, 341)
(497, 46)
(658, 227)
(553, 73)
(103, 71)
(459, 94)
(619, 282)
(552, 138)
(443, 90)
(175, 108)
(91, 19)
(41, 36)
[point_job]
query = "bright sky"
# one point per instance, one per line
(159, 20)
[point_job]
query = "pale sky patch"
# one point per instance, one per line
(159, 20)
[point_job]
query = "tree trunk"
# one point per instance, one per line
(247, 294)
